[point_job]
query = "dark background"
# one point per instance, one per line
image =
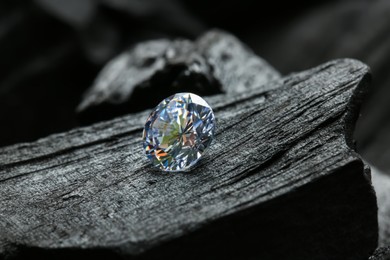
(51, 51)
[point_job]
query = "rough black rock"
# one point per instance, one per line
(151, 71)
(280, 182)
(382, 253)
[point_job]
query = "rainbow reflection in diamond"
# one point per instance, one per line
(178, 131)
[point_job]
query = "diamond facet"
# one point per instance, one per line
(178, 131)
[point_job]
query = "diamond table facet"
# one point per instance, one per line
(178, 131)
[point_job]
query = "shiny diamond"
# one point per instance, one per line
(178, 131)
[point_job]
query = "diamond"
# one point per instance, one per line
(178, 131)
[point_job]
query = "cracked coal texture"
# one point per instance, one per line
(281, 164)
(216, 62)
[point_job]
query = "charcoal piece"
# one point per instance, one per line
(217, 62)
(280, 181)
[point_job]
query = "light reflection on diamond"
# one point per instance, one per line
(178, 131)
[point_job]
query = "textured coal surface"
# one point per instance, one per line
(281, 164)
(215, 63)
